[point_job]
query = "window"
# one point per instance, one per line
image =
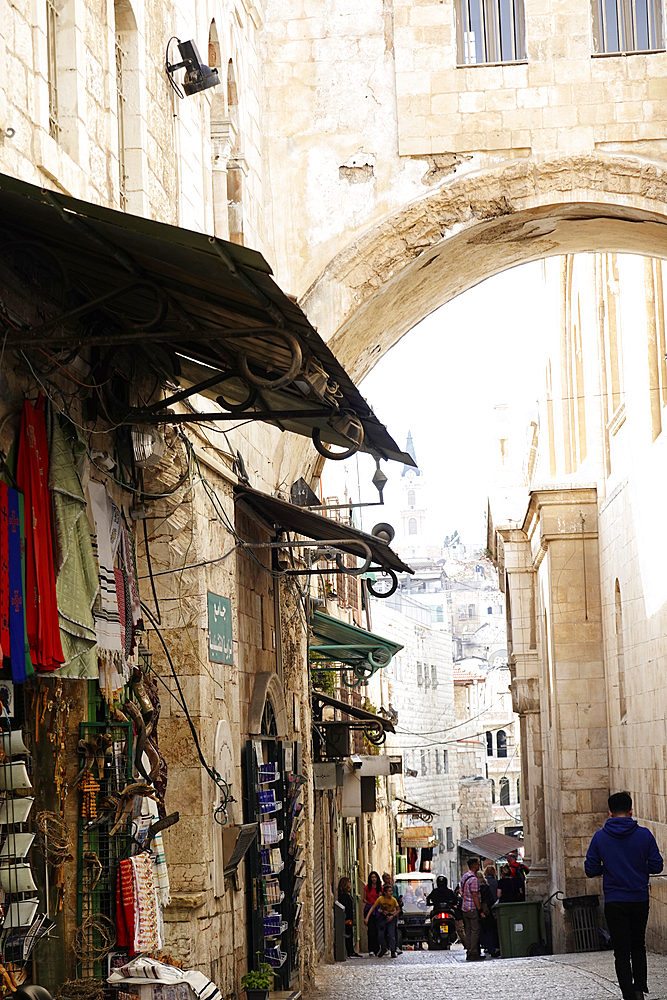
(445, 761)
(234, 165)
(412, 526)
(620, 652)
(489, 744)
(440, 613)
(504, 791)
(52, 67)
(450, 838)
(627, 26)
(440, 840)
(490, 31)
(463, 612)
(472, 612)
(438, 768)
(128, 117)
(434, 676)
(420, 673)
(489, 611)
(518, 789)
(424, 762)
(655, 333)
(501, 743)
(493, 792)
(411, 498)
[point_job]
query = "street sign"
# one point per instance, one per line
(220, 647)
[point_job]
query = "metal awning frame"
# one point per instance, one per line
(415, 810)
(76, 274)
(374, 727)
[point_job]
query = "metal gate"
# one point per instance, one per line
(318, 878)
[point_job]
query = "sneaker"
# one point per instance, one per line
(382, 953)
(393, 954)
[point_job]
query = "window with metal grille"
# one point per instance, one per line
(434, 676)
(424, 762)
(438, 768)
(489, 744)
(490, 31)
(445, 761)
(472, 611)
(501, 743)
(622, 26)
(52, 67)
(450, 838)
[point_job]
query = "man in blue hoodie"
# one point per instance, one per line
(625, 854)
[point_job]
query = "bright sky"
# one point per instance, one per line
(442, 382)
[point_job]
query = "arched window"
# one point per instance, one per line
(493, 792)
(439, 613)
(504, 791)
(234, 169)
(269, 724)
(214, 58)
(411, 498)
(52, 67)
(412, 526)
(471, 611)
(128, 117)
(501, 743)
(518, 789)
(489, 744)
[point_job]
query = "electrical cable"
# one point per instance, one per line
(149, 563)
(213, 774)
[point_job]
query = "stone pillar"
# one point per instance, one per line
(562, 530)
(519, 584)
(223, 140)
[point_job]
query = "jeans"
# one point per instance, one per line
(471, 923)
(627, 928)
(386, 932)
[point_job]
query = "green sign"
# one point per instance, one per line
(220, 648)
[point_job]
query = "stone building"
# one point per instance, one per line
(580, 556)
(419, 689)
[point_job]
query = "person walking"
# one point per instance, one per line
(519, 872)
(388, 909)
(625, 854)
(508, 890)
(345, 899)
(488, 893)
(372, 890)
(471, 906)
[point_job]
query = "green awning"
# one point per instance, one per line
(334, 641)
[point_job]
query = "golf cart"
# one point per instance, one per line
(415, 919)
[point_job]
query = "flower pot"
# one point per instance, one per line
(257, 994)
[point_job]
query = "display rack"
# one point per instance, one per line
(274, 800)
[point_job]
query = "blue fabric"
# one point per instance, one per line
(625, 854)
(16, 610)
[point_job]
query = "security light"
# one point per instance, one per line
(197, 77)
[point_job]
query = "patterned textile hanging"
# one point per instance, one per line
(32, 472)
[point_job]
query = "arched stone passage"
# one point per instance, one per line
(470, 228)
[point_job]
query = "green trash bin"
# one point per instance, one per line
(520, 928)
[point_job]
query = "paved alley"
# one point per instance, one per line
(434, 975)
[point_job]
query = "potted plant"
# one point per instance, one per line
(258, 982)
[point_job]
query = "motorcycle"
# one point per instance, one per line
(442, 932)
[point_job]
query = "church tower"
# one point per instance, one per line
(413, 541)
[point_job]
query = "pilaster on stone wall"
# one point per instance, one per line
(561, 526)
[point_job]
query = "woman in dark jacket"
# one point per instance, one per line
(345, 899)
(508, 890)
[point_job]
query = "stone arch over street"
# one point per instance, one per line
(472, 227)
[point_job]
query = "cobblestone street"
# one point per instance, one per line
(433, 975)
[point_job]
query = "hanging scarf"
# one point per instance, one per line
(4, 572)
(114, 671)
(16, 613)
(41, 609)
(137, 909)
(77, 581)
(133, 606)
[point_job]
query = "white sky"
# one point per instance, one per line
(442, 382)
